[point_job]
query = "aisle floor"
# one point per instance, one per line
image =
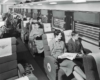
(24, 55)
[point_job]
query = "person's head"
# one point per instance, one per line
(37, 25)
(75, 35)
(39, 19)
(17, 17)
(58, 34)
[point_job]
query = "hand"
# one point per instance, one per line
(60, 57)
(80, 55)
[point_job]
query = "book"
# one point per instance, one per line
(70, 56)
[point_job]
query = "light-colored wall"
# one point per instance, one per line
(76, 7)
(92, 7)
(93, 48)
(5, 7)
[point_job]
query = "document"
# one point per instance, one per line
(70, 56)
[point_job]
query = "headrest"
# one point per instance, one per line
(48, 37)
(5, 47)
(34, 21)
(47, 27)
(0, 16)
(67, 34)
(2, 23)
(14, 16)
(28, 18)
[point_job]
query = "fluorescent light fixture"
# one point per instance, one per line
(39, 4)
(53, 3)
(31, 4)
(79, 1)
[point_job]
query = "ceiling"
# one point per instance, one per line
(11, 1)
(41, 1)
(61, 2)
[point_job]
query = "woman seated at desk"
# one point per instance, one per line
(57, 48)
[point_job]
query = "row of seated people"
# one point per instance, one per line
(73, 45)
(55, 66)
(57, 47)
(11, 24)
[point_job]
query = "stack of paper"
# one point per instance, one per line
(70, 56)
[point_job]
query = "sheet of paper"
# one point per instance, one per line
(23, 78)
(70, 56)
(2, 23)
(5, 50)
(5, 41)
(47, 27)
(5, 47)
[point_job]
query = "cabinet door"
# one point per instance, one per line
(68, 20)
(49, 16)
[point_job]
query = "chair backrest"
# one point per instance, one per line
(8, 58)
(47, 27)
(47, 37)
(67, 35)
(92, 66)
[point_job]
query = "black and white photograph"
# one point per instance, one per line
(49, 39)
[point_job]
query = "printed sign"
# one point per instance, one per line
(58, 22)
(47, 27)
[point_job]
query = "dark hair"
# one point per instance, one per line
(38, 18)
(37, 24)
(74, 33)
(56, 32)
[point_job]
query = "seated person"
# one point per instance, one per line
(74, 45)
(36, 36)
(57, 48)
(31, 37)
(39, 20)
(24, 17)
(19, 22)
